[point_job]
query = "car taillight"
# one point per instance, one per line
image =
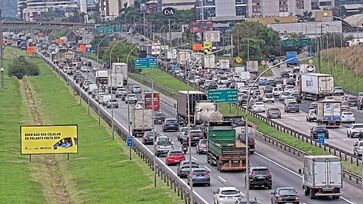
(297, 197)
(269, 175)
(278, 197)
(252, 175)
(206, 174)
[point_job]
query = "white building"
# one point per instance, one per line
(221, 10)
(268, 8)
(178, 4)
(110, 9)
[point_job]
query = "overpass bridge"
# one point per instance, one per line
(10, 24)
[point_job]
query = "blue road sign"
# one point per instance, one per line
(145, 63)
(321, 138)
(130, 142)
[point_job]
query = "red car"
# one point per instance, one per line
(174, 157)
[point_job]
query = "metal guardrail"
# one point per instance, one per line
(165, 173)
(344, 155)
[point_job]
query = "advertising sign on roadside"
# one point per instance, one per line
(213, 36)
(49, 139)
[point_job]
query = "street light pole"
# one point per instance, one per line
(1, 51)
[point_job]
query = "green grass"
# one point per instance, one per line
(165, 79)
(93, 57)
(343, 77)
(16, 184)
(101, 171)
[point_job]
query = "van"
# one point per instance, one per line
(360, 103)
(277, 91)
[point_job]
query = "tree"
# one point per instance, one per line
(21, 67)
(262, 40)
(120, 52)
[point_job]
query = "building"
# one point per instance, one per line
(8, 8)
(21, 4)
(178, 4)
(322, 4)
(29, 9)
(221, 10)
(110, 9)
(268, 8)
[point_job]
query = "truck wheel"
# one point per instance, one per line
(312, 194)
(219, 166)
(306, 190)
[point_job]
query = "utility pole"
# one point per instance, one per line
(1, 51)
(320, 45)
(169, 33)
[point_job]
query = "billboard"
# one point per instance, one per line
(200, 26)
(213, 36)
(49, 139)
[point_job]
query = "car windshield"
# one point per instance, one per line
(357, 126)
(260, 171)
(229, 192)
(203, 142)
(287, 192)
(347, 113)
(113, 100)
(187, 166)
(274, 110)
(159, 114)
(149, 134)
(259, 104)
(175, 153)
(164, 143)
(132, 95)
(171, 121)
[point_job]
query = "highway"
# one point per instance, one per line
(283, 173)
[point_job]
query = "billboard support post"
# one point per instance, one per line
(68, 156)
(30, 158)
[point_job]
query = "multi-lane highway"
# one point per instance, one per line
(282, 166)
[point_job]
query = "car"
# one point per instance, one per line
(199, 176)
(259, 176)
(273, 113)
(112, 103)
(290, 89)
(194, 134)
(258, 107)
(181, 132)
(140, 105)
(170, 124)
(317, 130)
(358, 148)
(92, 88)
(360, 94)
(263, 82)
(268, 89)
(277, 91)
(285, 195)
(268, 97)
(313, 105)
(338, 91)
(202, 146)
(148, 137)
(163, 145)
(226, 195)
(292, 106)
(290, 81)
(283, 95)
(289, 99)
(131, 99)
(355, 130)
(360, 103)
(347, 117)
(120, 91)
(174, 157)
(285, 74)
(136, 89)
(279, 80)
(159, 117)
(352, 101)
(297, 97)
(184, 168)
(124, 96)
(105, 99)
(311, 115)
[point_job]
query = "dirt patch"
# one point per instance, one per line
(351, 57)
(45, 168)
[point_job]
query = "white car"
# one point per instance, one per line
(277, 91)
(131, 98)
(311, 116)
(105, 99)
(226, 195)
(140, 105)
(348, 117)
(290, 89)
(289, 99)
(84, 69)
(355, 129)
(268, 98)
(120, 91)
(258, 107)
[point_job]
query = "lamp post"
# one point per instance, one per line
(112, 121)
(1, 51)
(98, 46)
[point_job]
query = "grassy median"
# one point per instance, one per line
(16, 183)
(176, 85)
(101, 172)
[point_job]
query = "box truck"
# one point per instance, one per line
(183, 104)
(183, 57)
(322, 176)
(315, 85)
(329, 113)
(141, 121)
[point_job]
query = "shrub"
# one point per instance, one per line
(21, 67)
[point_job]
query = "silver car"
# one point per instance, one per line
(358, 148)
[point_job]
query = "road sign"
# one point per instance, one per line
(296, 42)
(145, 63)
(130, 142)
(169, 11)
(238, 60)
(108, 28)
(207, 45)
(321, 138)
(223, 95)
(213, 36)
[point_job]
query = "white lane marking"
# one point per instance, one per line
(200, 197)
(194, 158)
(296, 174)
(207, 168)
(222, 179)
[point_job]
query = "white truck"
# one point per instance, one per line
(322, 176)
(171, 54)
(315, 85)
(203, 106)
(183, 57)
(329, 113)
(252, 67)
(141, 121)
(101, 78)
(209, 61)
(117, 78)
(224, 64)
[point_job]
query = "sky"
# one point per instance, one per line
(8, 8)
